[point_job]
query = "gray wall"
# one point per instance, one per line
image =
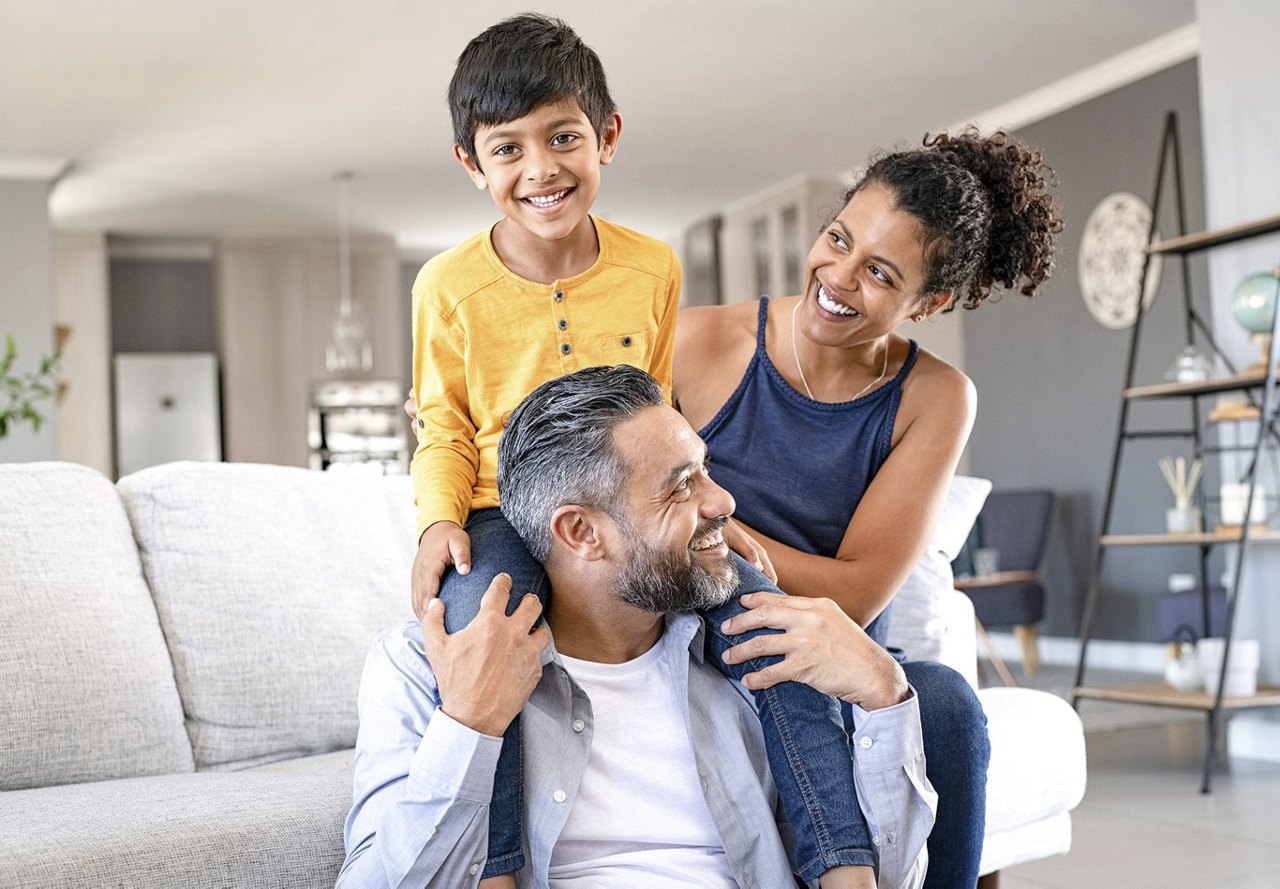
(26, 303)
(1049, 376)
(161, 305)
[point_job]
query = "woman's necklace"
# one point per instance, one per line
(795, 353)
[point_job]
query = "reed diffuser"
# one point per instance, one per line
(1183, 518)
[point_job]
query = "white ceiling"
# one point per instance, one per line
(215, 117)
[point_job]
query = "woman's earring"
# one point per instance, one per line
(918, 317)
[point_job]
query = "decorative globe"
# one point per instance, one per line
(1253, 305)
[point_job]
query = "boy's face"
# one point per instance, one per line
(543, 169)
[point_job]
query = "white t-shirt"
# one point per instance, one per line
(640, 819)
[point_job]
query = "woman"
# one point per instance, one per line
(838, 436)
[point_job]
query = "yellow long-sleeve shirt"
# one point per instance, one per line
(484, 338)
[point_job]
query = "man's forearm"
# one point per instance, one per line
(895, 796)
(423, 782)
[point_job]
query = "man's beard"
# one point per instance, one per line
(663, 581)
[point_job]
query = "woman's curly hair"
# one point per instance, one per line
(984, 205)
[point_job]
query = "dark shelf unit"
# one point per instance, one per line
(1246, 382)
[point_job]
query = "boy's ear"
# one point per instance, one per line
(473, 169)
(609, 138)
(578, 529)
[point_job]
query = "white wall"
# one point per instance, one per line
(274, 304)
(81, 303)
(1240, 106)
(26, 303)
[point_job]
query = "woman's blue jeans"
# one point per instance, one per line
(807, 745)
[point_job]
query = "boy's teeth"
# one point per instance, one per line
(831, 305)
(547, 200)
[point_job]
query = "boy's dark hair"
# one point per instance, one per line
(519, 64)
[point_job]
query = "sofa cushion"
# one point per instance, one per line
(923, 610)
(86, 686)
(205, 829)
(1036, 775)
(270, 583)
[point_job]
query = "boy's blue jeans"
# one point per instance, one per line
(807, 745)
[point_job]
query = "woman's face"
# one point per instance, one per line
(865, 272)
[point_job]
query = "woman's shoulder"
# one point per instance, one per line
(935, 384)
(714, 345)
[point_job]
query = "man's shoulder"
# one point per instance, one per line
(454, 274)
(397, 657)
(636, 251)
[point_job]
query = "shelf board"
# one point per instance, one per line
(1250, 380)
(1257, 535)
(1216, 237)
(1160, 695)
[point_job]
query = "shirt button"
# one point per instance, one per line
(421, 423)
(559, 796)
(626, 341)
(563, 324)
(865, 743)
(875, 841)
(559, 295)
(705, 782)
(474, 869)
(578, 725)
(565, 349)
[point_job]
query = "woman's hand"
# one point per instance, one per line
(749, 548)
(411, 406)
(820, 646)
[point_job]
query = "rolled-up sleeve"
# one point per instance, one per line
(423, 782)
(897, 799)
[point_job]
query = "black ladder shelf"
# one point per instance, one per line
(1248, 383)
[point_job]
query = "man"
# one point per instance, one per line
(643, 765)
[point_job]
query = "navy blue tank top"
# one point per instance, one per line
(796, 467)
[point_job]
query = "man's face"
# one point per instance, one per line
(671, 517)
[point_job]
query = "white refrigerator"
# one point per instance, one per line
(166, 408)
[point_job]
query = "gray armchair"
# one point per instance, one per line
(1016, 524)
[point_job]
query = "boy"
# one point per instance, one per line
(548, 290)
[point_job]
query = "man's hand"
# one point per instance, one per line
(821, 647)
(487, 670)
(443, 544)
(749, 548)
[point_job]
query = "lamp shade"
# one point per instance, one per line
(1253, 304)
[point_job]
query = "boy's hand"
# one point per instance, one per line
(749, 548)
(820, 646)
(443, 544)
(487, 670)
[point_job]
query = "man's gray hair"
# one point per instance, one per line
(557, 448)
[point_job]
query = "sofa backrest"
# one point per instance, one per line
(270, 583)
(86, 685)
(926, 608)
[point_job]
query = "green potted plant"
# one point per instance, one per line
(21, 392)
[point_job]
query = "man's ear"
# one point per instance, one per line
(577, 529)
(473, 169)
(609, 138)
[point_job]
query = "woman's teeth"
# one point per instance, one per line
(708, 542)
(830, 305)
(548, 200)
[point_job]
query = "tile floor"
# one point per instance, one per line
(1143, 823)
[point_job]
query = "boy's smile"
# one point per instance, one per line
(543, 171)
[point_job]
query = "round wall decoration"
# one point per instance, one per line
(1112, 250)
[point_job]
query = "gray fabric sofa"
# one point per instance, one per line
(179, 657)
(180, 654)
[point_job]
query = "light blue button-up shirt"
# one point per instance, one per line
(423, 781)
